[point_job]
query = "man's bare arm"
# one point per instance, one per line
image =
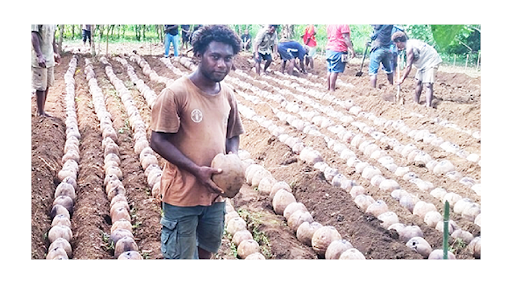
(160, 142)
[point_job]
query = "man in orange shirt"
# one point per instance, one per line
(336, 52)
(192, 121)
(310, 41)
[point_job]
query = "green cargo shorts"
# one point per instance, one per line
(186, 228)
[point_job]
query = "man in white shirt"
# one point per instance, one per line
(265, 45)
(425, 58)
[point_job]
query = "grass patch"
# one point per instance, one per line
(126, 126)
(254, 220)
(232, 247)
(457, 245)
(107, 245)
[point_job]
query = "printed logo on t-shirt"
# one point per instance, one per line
(196, 115)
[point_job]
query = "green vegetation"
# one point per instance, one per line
(457, 44)
(126, 127)
(116, 33)
(457, 245)
(232, 247)
(107, 244)
(146, 254)
(446, 219)
(254, 220)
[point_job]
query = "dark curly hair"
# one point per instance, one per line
(399, 37)
(220, 33)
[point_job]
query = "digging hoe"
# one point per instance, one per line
(399, 97)
(360, 72)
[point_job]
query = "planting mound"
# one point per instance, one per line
(404, 135)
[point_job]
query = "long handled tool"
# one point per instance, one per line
(399, 99)
(360, 72)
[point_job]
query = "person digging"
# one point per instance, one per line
(425, 58)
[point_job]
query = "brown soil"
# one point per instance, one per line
(457, 99)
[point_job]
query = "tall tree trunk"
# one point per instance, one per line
(101, 30)
(109, 28)
(93, 51)
(286, 31)
(61, 37)
(137, 32)
(161, 33)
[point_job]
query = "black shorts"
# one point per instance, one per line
(262, 56)
(86, 35)
(185, 37)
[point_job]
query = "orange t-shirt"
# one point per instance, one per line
(202, 123)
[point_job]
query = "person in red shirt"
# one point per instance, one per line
(310, 41)
(336, 52)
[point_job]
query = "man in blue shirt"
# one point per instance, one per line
(289, 50)
(171, 35)
(381, 53)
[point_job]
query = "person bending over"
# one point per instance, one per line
(426, 60)
(265, 45)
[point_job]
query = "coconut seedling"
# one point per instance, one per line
(445, 230)
(232, 176)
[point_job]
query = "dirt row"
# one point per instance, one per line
(91, 221)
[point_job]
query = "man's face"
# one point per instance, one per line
(400, 45)
(216, 61)
(271, 30)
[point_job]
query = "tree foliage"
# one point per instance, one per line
(467, 40)
(444, 35)
(447, 39)
(421, 32)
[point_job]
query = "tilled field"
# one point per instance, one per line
(343, 155)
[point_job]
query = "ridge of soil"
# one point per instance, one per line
(457, 99)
